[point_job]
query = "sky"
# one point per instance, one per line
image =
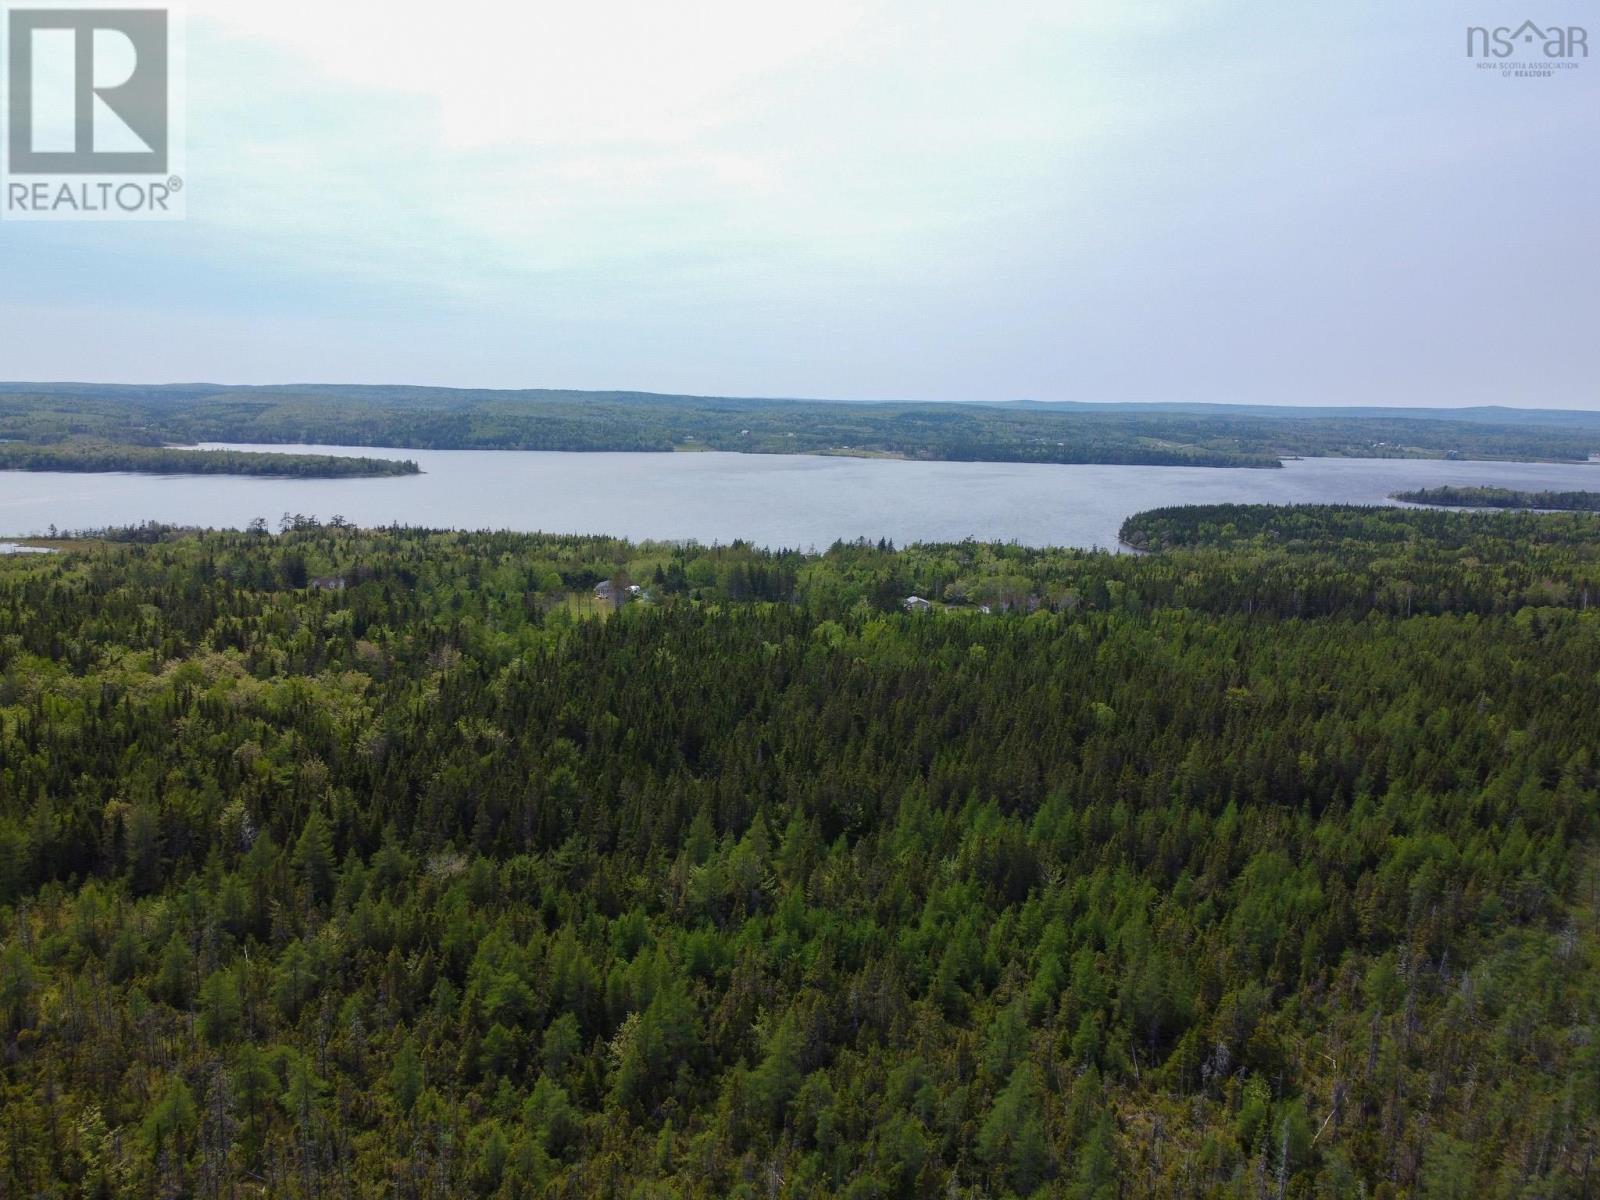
(881, 199)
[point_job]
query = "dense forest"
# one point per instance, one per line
(393, 863)
(90, 455)
(1496, 497)
(442, 419)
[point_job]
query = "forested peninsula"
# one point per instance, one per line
(100, 457)
(1494, 497)
(419, 864)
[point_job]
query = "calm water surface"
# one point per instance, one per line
(794, 501)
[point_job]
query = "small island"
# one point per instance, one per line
(104, 457)
(1494, 497)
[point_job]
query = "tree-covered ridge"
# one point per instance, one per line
(1497, 497)
(1306, 527)
(431, 886)
(91, 455)
(443, 419)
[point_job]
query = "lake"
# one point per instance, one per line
(793, 501)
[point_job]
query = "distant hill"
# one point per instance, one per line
(1486, 414)
(412, 394)
(428, 418)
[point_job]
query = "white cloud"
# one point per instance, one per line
(621, 71)
(464, 149)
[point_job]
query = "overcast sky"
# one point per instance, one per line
(1197, 200)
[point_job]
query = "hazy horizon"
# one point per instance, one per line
(13, 386)
(1189, 203)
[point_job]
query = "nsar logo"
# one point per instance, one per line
(1528, 51)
